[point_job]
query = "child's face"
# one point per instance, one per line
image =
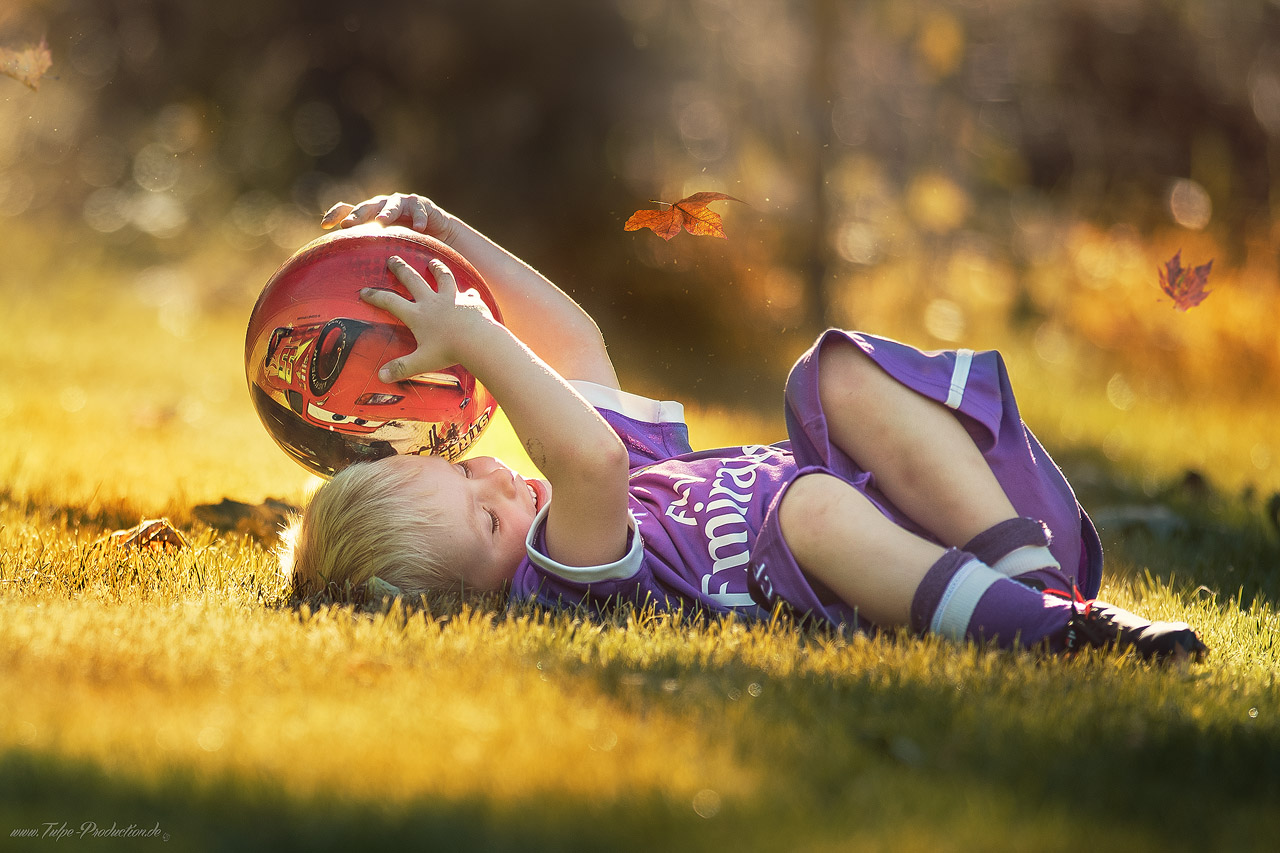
(486, 510)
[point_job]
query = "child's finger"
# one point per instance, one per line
(411, 278)
(446, 284)
(420, 217)
(418, 210)
(397, 369)
(335, 213)
(392, 210)
(364, 211)
(392, 303)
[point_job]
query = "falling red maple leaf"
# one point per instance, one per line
(1185, 286)
(26, 66)
(690, 213)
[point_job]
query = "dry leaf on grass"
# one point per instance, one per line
(152, 534)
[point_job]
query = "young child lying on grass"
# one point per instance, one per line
(909, 494)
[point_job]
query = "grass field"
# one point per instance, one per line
(179, 692)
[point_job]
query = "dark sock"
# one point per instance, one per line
(1018, 548)
(963, 598)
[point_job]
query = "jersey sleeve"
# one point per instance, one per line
(652, 430)
(623, 568)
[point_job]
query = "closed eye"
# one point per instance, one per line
(466, 469)
(493, 517)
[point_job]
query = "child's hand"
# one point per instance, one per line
(413, 211)
(538, 313)
(440, 319)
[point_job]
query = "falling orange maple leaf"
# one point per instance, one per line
(26, 66)
(690, 213)
(1184, 286)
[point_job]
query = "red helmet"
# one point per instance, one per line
(313, 350)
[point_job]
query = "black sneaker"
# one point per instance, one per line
(1105, 626)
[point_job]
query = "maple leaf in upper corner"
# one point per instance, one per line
(26, 66)
(1184, 286)
(690, 213)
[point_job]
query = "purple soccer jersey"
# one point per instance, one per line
(694, 517)
(704, 525)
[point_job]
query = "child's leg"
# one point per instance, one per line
(928, 466)
(895, 578)
(922, 458)
(841, 538)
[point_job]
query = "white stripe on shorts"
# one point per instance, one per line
(959, 377)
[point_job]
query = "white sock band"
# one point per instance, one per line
(954, 612)
(1026, 559)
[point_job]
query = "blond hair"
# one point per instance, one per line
(359, 526)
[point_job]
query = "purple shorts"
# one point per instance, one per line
(976, 387)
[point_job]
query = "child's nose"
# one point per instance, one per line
(502, 477)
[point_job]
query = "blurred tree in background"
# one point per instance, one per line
(943, 170)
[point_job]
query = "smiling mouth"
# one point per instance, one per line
(541, 492)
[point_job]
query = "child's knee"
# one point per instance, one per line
(812, 504)
(845, 370)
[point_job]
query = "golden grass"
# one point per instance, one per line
(153, 669)
(388, 709)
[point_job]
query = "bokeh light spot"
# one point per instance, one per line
(1264, 93)
(1190, 204)
(706, 803)
(106, 210)
(155, 168)
(944, 320)
(937, 203)
(158, 214)
(941, 43)
(1120, 393)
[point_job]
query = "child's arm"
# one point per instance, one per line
(540, 314)
(564, 436)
